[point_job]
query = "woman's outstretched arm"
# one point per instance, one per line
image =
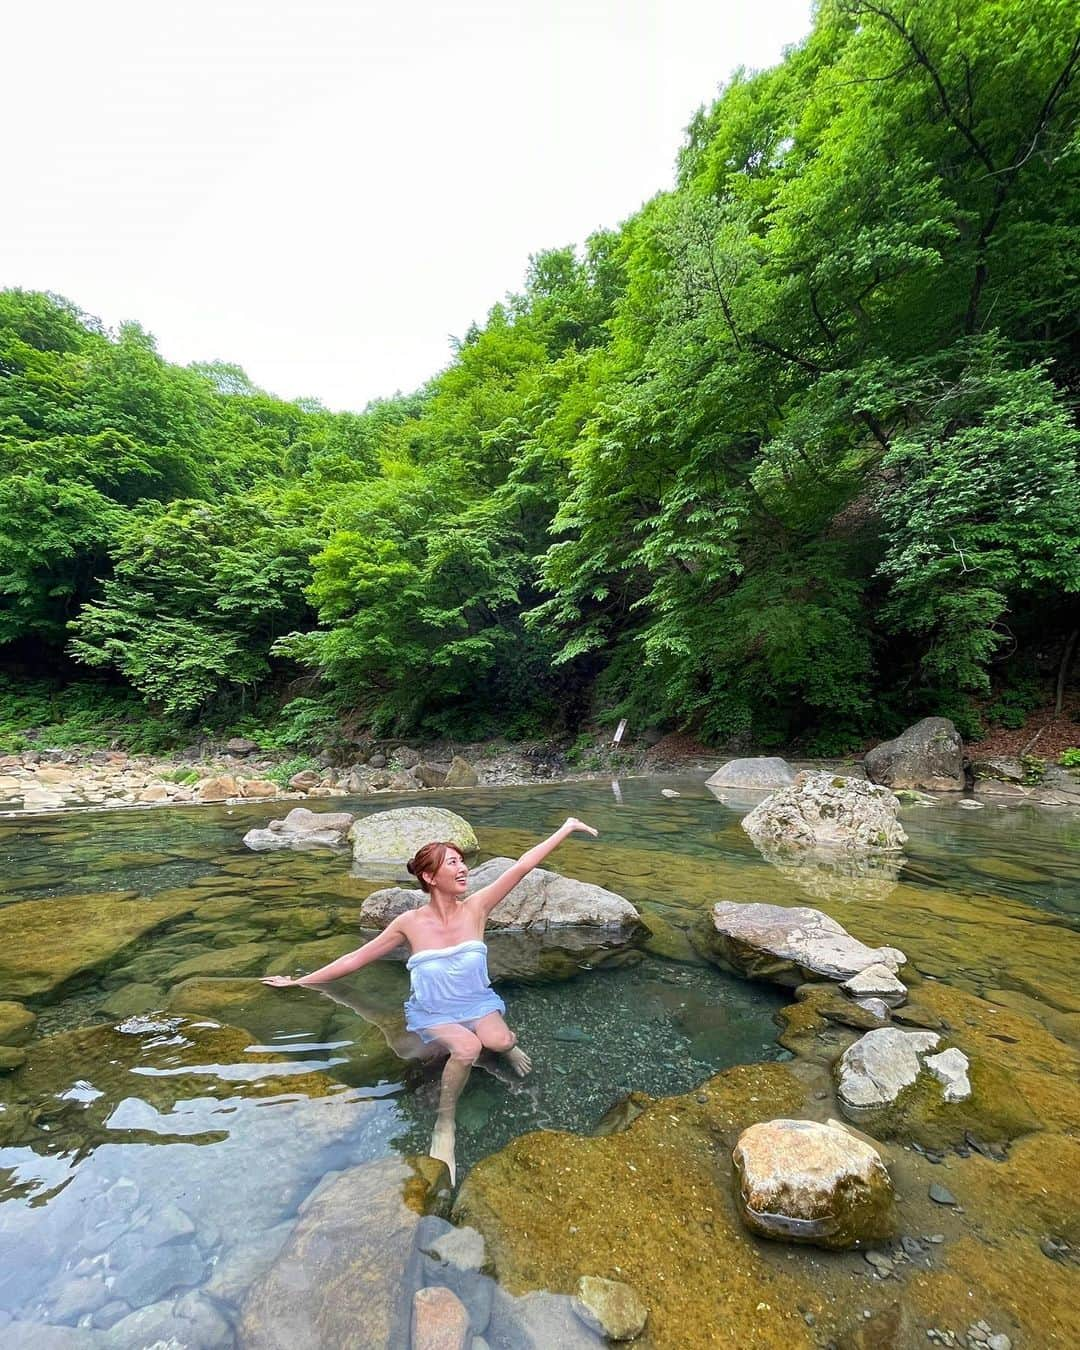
(486, 900)
(383, 945)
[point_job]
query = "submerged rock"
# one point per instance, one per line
(610, 1308)
(553, 1206)
(343, 1277)
(763, 773)
(46, 943)
(302, 829)
(788, 946)
(928, 755)
(16, 1023)
(826, 810)
(440, 1321)
(800, 1181)
(394, 836)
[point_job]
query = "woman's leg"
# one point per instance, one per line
(464, 1047)
(494, 1034)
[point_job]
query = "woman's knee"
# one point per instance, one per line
(465, 1048)
(500, 1039)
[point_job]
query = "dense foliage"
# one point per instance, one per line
(792, 454)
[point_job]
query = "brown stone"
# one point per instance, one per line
(258, 787)
(218, 789)
(801, 1181)
(439, 1320)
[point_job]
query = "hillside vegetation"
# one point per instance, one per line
(790, 456)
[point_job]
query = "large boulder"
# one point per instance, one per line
(763, 773)
(218, 789)
(548, 928)
(302, 829)
(824, 810)
(788, 946)
(430, 775)
(801, 1181)
(461, 774)
(929, 755)
(539, 901)
(346, 1275)
(394, 836)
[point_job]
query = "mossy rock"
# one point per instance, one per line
(131, 999)
(243, 960)
(16, 1024)
(394, 836)
(294, 925)
(11, 1058)
(822, 1023)
(995, 1113)
(46, 944)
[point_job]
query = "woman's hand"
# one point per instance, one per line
(573, 824)
(279, 981)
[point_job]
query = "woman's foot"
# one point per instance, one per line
(519, 1061)
(443, 1143)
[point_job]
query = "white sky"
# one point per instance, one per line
(322, 191)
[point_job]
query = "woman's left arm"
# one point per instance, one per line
(485, 900)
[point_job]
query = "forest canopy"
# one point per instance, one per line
(790, 456)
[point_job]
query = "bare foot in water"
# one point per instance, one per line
(442, 1145)
(519, 1061)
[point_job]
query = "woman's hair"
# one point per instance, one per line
(429, 859)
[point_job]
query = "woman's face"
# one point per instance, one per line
(453, 876)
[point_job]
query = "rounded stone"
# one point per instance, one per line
(394, 836)
(610, 1308)
(760, 774)
(801, 1181)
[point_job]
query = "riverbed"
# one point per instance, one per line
(170, 1103)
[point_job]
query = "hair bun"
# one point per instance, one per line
(410, 867)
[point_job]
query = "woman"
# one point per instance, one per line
(451, 1002)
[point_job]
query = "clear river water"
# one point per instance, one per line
(170, 1102)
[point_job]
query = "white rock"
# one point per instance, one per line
(825, 810)
(950, 1068)
(877, 1068)
(763, 773)
(790, 945)
(876, 981)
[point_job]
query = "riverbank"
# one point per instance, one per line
(59, 780)
(49, 780)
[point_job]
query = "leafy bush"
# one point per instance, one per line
(1070, 759)
(281, 773)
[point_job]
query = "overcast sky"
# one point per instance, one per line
(323, 191)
